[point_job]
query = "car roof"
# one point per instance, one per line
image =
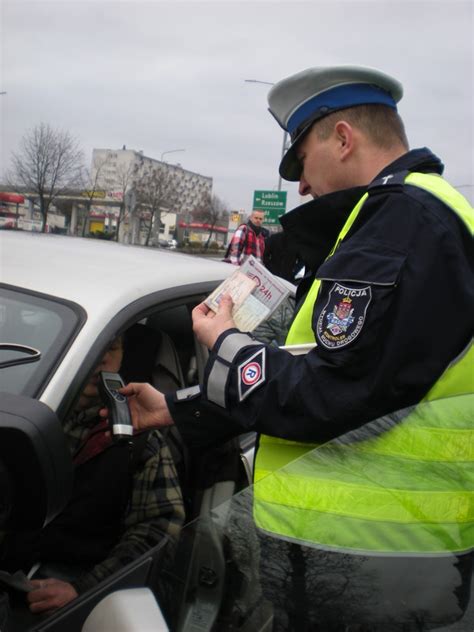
(92, 271)
(104, 278)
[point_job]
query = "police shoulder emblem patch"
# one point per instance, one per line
(251, 374)
(343, 316)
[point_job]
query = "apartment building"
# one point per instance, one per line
(118, 167)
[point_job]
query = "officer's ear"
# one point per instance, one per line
(344, 136)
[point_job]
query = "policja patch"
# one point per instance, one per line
(251, 374)
(343, 316)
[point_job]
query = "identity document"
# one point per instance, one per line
(256, 294)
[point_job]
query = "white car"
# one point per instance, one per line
(62, 300)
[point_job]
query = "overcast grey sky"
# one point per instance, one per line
(158, 76)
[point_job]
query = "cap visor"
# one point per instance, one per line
(290, 166)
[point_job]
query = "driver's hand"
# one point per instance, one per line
(50, 594)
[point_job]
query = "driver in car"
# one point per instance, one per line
(124, 502)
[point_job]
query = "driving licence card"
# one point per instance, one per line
(238, 285)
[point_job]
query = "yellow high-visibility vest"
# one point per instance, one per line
(409, 488)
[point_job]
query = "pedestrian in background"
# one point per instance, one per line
(248, 239)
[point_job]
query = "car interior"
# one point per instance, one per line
(161, 349)
(209, 479)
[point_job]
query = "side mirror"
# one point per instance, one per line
(36, 461)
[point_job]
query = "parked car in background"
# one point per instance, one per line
(167, 243)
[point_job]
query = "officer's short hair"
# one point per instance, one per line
(381, 124)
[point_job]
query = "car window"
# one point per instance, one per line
(34, 331)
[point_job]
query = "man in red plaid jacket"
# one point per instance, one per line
(248, 239)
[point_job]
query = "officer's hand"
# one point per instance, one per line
(208, 326)
(148, 406)
(50, 594)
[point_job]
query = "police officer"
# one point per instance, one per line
(388, 299)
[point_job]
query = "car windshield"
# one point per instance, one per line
(34, 331)
(251, 561)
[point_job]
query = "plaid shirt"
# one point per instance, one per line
(245, 242)
(156, 506)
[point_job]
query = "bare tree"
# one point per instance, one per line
(48, 162)
(90, 180)
(210, 210)
(124, 177)
(157, 193)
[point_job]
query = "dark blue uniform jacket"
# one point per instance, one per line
(396, 306)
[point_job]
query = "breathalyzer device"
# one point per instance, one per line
(120, 420)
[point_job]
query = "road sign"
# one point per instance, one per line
(273, 203)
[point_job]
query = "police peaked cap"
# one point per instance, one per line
(298, 101)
